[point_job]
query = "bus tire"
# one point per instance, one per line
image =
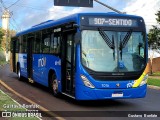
(54, 85)
(19, 74)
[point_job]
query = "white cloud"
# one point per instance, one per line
(153, 53)
(28, 17)
(144, 8)
(57, 12)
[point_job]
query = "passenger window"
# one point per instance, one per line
(46, 44)
(17, 45)
(24, 44)
(20, 44)
(55, 44)
(37, 41)
(69, 47)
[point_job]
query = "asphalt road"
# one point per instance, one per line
(86, 110)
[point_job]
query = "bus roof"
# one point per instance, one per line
(71, 18)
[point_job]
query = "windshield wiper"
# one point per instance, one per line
(124, 41)
(108, 41)
(114, 47)
(106, 38)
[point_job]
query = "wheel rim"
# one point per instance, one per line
(55, 86)
(19, 74)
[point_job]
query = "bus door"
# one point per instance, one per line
(13, 49)
(29, 57)
(68, 63)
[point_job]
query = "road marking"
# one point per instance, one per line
(31, 102)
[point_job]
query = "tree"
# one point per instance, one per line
(11, 33)
(1, 36)
(158, 35)
(154, 34)
(158, 15)
(154, 39)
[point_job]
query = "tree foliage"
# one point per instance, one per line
(1, 36)
(154, 39)
(158, 15)
(154, 34)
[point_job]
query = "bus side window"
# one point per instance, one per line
(20, 44)
(45, 45)
(37, 41)
(52, 43)
(58, 45)
(55, 44)
(69, 47)
(17, 45)
(24, 44)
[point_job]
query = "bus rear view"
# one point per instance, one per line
(111, 57)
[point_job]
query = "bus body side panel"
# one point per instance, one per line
(36, 68)
(22, 59)
(42, 64)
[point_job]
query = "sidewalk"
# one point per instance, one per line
(155, 77)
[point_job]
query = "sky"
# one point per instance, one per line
(26, 13)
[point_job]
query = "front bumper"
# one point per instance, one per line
(85, 93)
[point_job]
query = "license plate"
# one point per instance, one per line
(117, 94)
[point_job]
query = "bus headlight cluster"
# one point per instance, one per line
(86, 82)
(144, 81)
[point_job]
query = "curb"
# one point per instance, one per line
(153, 87)
(158, 78)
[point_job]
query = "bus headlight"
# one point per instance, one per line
(86, 82)
(144, 81)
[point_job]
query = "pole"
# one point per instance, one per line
(7, 51)
(109, 7)
(5, 26)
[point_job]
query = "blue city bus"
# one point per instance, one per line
(86, 56)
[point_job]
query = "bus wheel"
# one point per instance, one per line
(19, 74)
(54, 85)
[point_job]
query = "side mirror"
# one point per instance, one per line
(140, 44)
(139, 47)
(77, 37)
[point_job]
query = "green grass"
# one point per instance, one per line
(156, 74)
(5, 100)
(2, 62)
(154, 81)
(1, 48)
(2, 58)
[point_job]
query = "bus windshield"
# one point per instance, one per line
(113, 51)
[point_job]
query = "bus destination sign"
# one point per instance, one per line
(114, 22)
